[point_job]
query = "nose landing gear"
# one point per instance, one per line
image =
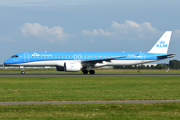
(22, 72)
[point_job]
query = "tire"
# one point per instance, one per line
(92, 72)
(85, 71)
(22, 72)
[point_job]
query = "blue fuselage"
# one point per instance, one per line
(42, 58)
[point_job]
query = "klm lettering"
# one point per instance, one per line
(161, 45)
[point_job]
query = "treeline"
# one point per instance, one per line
(173, 64)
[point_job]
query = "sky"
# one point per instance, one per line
(87, 26)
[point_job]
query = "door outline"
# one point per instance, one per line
(142, 57)
(26, 57)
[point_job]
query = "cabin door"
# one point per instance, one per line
(142, 57)
(26, 57)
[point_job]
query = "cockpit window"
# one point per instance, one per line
(14, 56)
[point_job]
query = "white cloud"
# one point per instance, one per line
(97, 32)
(105, 33)
(94, 32)
(133, 28)
(128, 30)
(54, 34)
(2, 39)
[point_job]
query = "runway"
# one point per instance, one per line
(82, 75)
(86, 102)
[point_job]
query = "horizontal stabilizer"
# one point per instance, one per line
(168, 55)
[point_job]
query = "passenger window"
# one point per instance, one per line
(32, 56)
(36, 56)
(42, 56)
(39, 56)
(57, 56)
(46, 56)
(49, 56)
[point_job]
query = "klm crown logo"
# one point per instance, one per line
(161, 44)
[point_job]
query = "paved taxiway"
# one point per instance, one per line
(86, 102)
(82, 75)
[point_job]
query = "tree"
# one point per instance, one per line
(118, 67)
(143, 67)
(173, 64)
(147, 67)
(158, 66)
(152, 67)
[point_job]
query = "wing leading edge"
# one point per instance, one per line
(100, 60)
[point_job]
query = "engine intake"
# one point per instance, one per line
(58, 68)
(72, 67)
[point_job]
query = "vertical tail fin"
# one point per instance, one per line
(162, 44)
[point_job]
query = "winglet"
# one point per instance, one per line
(163, 43)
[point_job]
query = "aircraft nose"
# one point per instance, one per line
(6, 62)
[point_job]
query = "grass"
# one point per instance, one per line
(158, 111)
(98, 71)
(88, 88)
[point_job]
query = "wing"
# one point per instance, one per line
(100, 60)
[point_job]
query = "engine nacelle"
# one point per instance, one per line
(72, 67)
(58, 68)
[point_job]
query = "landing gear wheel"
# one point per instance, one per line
(85, 71)
(22, 72)
(91, 71)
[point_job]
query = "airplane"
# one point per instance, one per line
(86, 61)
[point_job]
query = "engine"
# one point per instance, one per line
(69, 67)
(58, 68)
(72, 67)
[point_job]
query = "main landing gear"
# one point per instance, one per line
(90, 71)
